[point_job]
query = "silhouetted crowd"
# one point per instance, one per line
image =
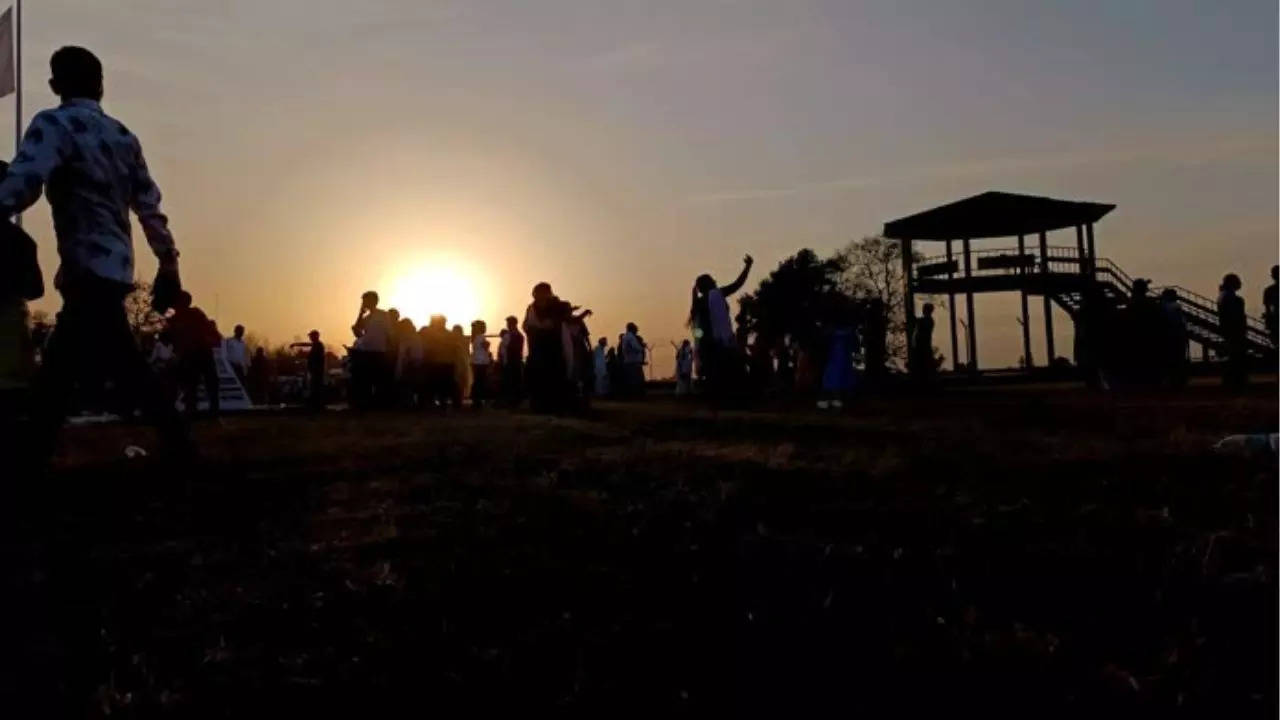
(547, 359)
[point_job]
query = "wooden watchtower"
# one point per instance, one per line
(1058, 273)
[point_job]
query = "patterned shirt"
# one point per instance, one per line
(95, 174)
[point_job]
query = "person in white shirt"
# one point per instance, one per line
(93, 170)
(371, 369)
(237, 353)
(712, 327)
(600, 363)
(481, 359)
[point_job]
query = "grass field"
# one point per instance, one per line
(1042, 550)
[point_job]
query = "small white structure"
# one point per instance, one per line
(231, 394)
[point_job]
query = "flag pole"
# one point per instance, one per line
(17, 75)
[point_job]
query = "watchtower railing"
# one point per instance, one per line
(1066, 259)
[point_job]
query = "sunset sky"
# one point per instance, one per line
(312, 149)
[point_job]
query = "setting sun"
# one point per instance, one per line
(436, 288)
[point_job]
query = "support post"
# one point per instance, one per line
(1081, 254)
(1026, 317)
(951, 307)
(968, 302)
(1048, 301)
(1093, 254)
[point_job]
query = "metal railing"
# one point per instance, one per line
(1065, 259)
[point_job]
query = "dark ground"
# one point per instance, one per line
(1029, 549)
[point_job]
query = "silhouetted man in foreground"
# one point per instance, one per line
(96, 174)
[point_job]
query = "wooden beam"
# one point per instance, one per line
(1093, 252)
(951, 308)
(1048, 302)
(1026, 317)
(968, 301)
(1081, 254)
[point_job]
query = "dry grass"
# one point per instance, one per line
(1031, 550)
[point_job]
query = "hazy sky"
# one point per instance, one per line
(311, 149)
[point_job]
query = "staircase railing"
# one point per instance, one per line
(1065, 259)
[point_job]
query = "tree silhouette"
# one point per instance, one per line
(872, 268)
(803, 292)
(143, 319)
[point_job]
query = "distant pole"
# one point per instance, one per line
(17, 86)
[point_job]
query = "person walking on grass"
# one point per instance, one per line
(194, 338)
(95, 173)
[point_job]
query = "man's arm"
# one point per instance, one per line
(736, 285)
(42, 150)
(144, 199)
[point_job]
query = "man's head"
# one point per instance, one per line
(314, 336)
(394, 314)
(631, 328)
(369, 300)
(705, 283)
(76, 73)
(685, 344)
(1169, 296)
(478, 328)
(183, 301)
(1141, 287)
(437, 321)
(512, 322)
(239, 332)
(603, 342)
(928, 309)
(1231, 282)
(1275, 272)
(541, 291)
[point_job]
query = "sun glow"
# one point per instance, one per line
(436, 288)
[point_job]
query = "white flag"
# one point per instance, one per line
(7, 84)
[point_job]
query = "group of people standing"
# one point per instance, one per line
(394, 364)
(1146, 341)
